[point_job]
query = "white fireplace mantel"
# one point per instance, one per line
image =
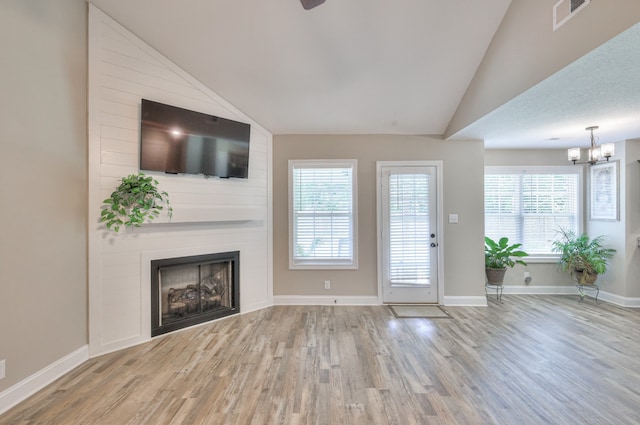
(209, 214)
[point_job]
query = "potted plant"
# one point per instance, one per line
(500, 255)
(135, 201)
(584, 258)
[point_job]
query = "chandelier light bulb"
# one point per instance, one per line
(574, 154)
(607, 150)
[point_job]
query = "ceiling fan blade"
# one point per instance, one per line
(310, 4)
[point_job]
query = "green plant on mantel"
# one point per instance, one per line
(135, 201)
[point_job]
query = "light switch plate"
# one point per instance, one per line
(453, 218)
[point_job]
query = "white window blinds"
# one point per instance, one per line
(530, 205)
(409, 229)
(322, 213)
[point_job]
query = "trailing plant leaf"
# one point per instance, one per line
(137, 200)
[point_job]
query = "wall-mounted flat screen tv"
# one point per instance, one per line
(179, 141)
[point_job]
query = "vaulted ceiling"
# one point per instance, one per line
(366, 66)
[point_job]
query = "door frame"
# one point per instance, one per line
(439, 220)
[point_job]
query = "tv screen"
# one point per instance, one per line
(175, 140)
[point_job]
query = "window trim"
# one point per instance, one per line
(325, 264)
(547, 169)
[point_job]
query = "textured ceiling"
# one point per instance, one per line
(376, 66)
(602, 88)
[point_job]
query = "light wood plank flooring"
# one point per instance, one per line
(531, 360)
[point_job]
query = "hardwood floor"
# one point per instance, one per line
(531, 360)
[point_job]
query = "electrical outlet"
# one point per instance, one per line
(327, 284)
(527, 274)
(2, 368)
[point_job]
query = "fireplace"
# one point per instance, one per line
(186, 291)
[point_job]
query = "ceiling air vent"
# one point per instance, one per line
(565, 10)
(575, 4)
(310, 4)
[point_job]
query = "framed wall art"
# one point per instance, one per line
(604, 191)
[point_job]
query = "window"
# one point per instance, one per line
(322, 214)
(529, 205)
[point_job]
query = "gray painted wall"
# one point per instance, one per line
(632, 222)
(43, 254)
(463, 194)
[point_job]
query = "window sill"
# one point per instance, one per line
(540, 259)
(322, 266)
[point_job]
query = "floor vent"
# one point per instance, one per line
(565, 10)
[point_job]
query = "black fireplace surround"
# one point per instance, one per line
(187, 291)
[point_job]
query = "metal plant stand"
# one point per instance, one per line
(498, 288)
(582, 288)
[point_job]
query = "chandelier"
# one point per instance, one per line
(596, 154)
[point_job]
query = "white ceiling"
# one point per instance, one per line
(379, 66)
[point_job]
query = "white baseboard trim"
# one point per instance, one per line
(465, 301)
(473, 301)
(255, 307)
(34, 383)
(324, 300)
(539, 290)
(633, 302)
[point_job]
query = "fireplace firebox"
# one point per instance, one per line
(186, 291)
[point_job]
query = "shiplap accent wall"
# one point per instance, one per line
(210, 215)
